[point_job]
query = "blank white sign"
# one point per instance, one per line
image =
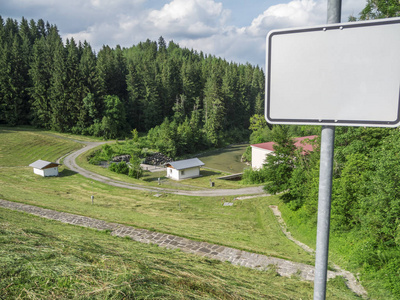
(341, 74)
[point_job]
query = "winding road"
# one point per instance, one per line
(70, 163)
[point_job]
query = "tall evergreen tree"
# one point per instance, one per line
(73, 90)
(214, 109)
(58, 96)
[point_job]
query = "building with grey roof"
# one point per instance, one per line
(45, 168)
(182, 169)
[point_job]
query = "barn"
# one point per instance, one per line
(45, 168)
(182, 169)
(260, 151)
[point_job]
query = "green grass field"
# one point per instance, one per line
(44, 259)
(225, 160)
(248, 225)
(21, 147)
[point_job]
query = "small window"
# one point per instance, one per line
(182, 172)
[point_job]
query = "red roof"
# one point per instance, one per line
(298, 143)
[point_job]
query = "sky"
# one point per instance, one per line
(232, 29)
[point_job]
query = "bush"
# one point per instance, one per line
(247, 154)
(120, 168)
(251, 176)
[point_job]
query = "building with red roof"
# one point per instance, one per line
(260, 151)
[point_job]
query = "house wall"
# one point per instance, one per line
(38, 172)
(51, 171)
(258, 157)
(187, 173)
(46, 172)
(172, 173)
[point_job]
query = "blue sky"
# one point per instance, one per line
(232, 29)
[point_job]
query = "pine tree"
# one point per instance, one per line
(73, 88)
(58, 100)
(214, 109)
(136, 94)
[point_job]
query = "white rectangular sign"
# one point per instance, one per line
(344, 74)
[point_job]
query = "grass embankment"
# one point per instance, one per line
(341, 250)
(44, 259)
(248, 225)
(21, 147)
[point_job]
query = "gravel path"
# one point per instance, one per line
(351, 280)
(70, 163)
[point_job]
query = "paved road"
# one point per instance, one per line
(70, 163)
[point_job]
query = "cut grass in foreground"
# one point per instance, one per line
(248, 225)
(44, 259)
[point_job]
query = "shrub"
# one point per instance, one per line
(120, 168)
(251, 176)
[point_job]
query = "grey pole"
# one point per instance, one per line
(325, 186)
(324, 211)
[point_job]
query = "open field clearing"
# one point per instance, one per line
(44, 259)
(227, 159)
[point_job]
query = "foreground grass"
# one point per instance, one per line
(248, 225)
(44, 259)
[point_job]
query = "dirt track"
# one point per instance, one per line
(69, 162)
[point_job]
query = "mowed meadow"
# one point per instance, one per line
(46, 259)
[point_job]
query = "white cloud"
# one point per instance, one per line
(296, 13)
(188, 18)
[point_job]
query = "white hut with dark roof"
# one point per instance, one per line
(45, 168)
(182, 169)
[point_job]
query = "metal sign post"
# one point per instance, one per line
(333, 75)
(325, 187)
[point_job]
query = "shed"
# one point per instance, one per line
(260, 151)
(45, 168)
(182, 169)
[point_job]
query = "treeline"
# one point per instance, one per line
(69, 88)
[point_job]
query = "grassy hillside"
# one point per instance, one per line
(43, 259)
(20, 147)
(248, 225)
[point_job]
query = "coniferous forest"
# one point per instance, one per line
(68, 87)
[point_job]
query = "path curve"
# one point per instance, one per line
(351, 281)
(70, 163)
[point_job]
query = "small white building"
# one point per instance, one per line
(182, 169)
(45, 168)
(259, 152)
